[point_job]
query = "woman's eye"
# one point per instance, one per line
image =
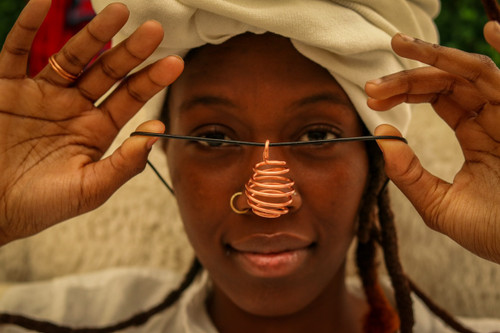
(213, 135)
(318, 134)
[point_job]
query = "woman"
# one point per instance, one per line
(285, 274)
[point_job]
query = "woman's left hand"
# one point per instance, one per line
(464, 89)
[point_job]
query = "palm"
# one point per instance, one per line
(40, 150)
(53, 137)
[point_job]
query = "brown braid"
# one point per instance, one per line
(377, 226)
(382, 317)
(389, 244)
(441, 313)
(136, 320)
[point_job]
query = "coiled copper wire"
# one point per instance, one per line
(269, 192)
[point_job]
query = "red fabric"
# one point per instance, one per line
(61, 23)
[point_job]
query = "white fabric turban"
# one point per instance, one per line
(351, 39)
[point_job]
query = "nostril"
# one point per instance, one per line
(296, 201)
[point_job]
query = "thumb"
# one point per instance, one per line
(402, 166)
(492, 34)
(126, 161)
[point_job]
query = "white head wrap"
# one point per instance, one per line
(351, 39)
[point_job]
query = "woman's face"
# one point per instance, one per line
(258, 88)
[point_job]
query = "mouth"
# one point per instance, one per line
(271, 255)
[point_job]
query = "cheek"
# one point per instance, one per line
(332, 192)
(203, 190)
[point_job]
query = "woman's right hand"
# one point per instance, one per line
(52, 136)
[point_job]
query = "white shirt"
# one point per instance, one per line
(107, 297)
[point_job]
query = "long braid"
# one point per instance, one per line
(399, 281)
(377, 200)
(136, 320)
(446, 317)
(382, 318)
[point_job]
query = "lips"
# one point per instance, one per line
(270, 243)
(271, 255)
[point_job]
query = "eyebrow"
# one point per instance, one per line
(211, 100)
(322, 97)
(206, 100)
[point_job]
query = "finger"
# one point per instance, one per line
(475, 68)
(492, 34)
(125, 162)
(453, 98)
(137, 89)
(423, 80)
(447, 108)
(15, 51)
(402, 166)
(117, 62)
(82, 47)
(489, 119)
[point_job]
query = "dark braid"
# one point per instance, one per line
(382, 317)
(401, 283)
(441, 313)
(377, 226)
(389, 244)
(136, 320)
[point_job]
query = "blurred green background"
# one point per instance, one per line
(460, 24)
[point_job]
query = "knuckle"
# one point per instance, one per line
(94, 34)
(88, 94)
(132, 53)
(486, 61)
(16, 50)
(484, 64)
(135, 95)
(110, 71)
(72, 58)
(434, 99)
(27, 28)
(406, 81)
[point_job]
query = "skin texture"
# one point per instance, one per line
(463, 90)
(256, 88)
(53, 137)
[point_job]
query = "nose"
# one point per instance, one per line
(240, 203)
(269, 192)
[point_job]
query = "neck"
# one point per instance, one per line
(334, 310)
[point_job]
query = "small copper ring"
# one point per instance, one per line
(61, 71)
(233, 207)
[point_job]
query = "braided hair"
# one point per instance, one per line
(136, 320)
(376, 230)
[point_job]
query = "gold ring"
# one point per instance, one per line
(231, 203)
(61, 71)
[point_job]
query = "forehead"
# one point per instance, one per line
(254, 61)
(255, 77)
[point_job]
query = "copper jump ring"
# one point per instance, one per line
(61, 71)
(269, 193)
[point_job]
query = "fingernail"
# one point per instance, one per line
(374, 81)
(177, 56)
(406, 38)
